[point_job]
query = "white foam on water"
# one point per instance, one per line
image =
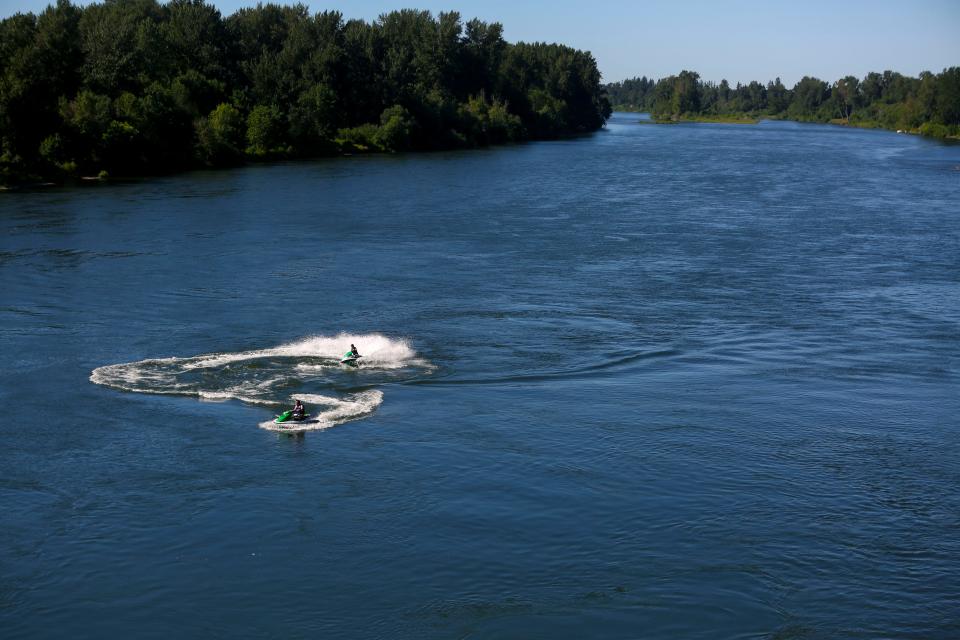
(232, 394)
(211, 377)
(340, 410)
(377, 350)
(135, 376)
(316, 368)
(315, 399)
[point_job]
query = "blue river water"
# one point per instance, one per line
(690, 381)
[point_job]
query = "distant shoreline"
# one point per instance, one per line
(926, 105)
(734, 118)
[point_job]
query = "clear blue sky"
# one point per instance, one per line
(734, 39)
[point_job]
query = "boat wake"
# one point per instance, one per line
(274, 377)
(328, 412)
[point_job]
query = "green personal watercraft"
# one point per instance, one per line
(351, 359)
(287, 416)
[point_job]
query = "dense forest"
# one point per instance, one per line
(134, 86)
(929, 104)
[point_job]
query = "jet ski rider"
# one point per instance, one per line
(298, 411)
(353, 351)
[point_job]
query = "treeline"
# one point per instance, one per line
(135, 86)
(929, 104)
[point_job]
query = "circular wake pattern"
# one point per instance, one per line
(274, 377)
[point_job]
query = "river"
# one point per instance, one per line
(687, 381)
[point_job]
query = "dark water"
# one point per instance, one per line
(662, 382)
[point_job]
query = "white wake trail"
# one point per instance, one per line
(339, 410)
(267, 376)
(376, 349)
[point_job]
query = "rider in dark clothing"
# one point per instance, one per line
(353, 351)
(298, 411)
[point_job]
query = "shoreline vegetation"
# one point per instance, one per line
(137, 87)
(928, 105)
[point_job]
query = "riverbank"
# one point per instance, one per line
(345, 149)
(927, 130)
